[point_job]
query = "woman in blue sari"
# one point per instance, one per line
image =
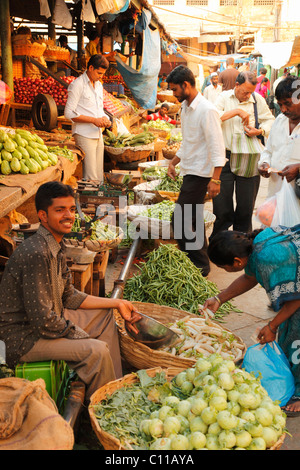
(270, 257)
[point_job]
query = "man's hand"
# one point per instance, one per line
(263, 170)
(290, 172)
(252, 131)
(172, 171)
(244, 116)
(213, 189)
(131, 324)
(130, 314)
(102, 122)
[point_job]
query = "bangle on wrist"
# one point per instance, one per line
(274, 332)
(218, 299)
(215, 181)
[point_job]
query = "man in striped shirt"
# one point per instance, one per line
(161, 114)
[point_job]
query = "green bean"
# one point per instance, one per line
(169, 278)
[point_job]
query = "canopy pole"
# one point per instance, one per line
(80, 36)
(5, 29)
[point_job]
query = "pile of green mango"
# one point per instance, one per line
(24, 152)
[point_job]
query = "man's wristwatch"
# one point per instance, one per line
(263, 133)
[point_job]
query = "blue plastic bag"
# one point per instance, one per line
(276, 377)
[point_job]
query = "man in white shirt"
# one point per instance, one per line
(211, 92)
(236, 111)
(282, 152)
(85, 109)
(201, 157)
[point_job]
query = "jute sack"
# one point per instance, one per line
(29, 419)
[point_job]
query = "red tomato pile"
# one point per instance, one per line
(27, 88)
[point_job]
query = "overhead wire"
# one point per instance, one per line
(238, 25)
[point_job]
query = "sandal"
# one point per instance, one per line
(289, 413)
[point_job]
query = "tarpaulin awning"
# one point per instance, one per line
(143, 83)
(280, 54)
(213, 38)
(215, 59)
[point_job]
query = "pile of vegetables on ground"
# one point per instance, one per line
(24, 152)
(127, 140)
(211, 406)
(98, 230)
(200, 337)
(170, 278)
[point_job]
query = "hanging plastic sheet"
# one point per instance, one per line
(44, 8)
(111, 6)
(143, 83)
(87, 12)
(62, 15)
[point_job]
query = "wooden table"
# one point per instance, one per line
(82, 275)
(99, 270)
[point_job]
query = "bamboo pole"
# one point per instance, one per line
(6, 56)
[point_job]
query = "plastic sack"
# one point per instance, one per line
(5, 93)
(281, 209)
(270, 361)
(62, 15)
(287, 212)
(265, 212)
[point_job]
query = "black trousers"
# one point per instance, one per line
(246, 189)
(188, 221)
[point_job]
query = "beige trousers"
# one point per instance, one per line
(93, 163)
(96, 360)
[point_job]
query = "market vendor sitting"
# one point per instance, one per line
(42, 316)
(160, 114)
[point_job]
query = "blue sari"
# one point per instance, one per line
(275, 263)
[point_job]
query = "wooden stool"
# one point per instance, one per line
(99, 270)
(82, 275)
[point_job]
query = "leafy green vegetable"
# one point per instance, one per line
(122, 412)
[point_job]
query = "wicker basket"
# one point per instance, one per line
(33, 50)
(169, 154)
(164, 134)
(56, 54)
(161, 96)
(129, 154)
(174, 108)
(141, 356)
(108, 441)
(98, 246)
(18, 71)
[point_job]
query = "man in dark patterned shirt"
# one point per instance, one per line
(42, 316)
